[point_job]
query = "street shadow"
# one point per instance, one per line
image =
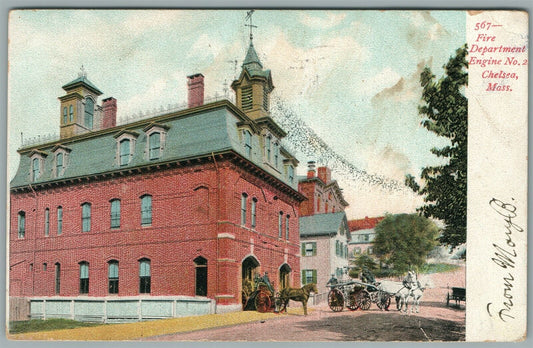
(387, 327)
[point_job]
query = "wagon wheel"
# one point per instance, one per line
(352, 303)
(383, 300)
(335, 300)
(262, 302)
(363, 300)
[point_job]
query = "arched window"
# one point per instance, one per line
(21, 224)
(201, 276)
(146, 210)
(268, 147)
(248, 144)
(154, 141)
(115, 213)
(291, 174)
(84, 277)
(46, 222)
(254, 212)
(65, 115)
(244, 198)
(59, 220)
(144, 276)
(36, 168)
(280, 225)
(112, 276)
(57, 278)
(86, 217)
(71, 113)
(276, 154)
(125, 152)
(89, 111)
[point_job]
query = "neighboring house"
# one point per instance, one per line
(362, 236)
(324, 232)
(176, 210)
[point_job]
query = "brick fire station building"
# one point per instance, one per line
(157, 217)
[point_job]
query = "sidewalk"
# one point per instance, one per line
(134, 331)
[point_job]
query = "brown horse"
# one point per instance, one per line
(295, 294)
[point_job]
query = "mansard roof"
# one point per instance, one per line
(201, 132)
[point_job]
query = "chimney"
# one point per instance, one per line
(324, 174)
(310, 169)
(109, 106)
(196, 90)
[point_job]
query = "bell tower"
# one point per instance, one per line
(78, 110)
(254, 85)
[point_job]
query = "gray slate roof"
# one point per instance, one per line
(189, 135)
(321, 224)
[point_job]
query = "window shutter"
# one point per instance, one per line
(303, 249)
(303, 277)
(314, 276)
(314, 248)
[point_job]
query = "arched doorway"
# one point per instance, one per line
(284, 276)
(201, 276)
(249, 268)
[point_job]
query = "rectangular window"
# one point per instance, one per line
(291, 174)
(155, 145)
(64, 115)
(287, 219)
(59, 220)
(308, 276)
(59, 164)
(254, 209)
(268, 147)
(276, 155)
(280, 225)
(124, 152)
(115, 213)
(244, 198)
(309, 249)
(248, 144)
(46, 222)
(84, 278)
(144, 277)
(86, 217)
(146, 210)
(112, 276)
(21, 224)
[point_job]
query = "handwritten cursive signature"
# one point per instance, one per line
(505, 256)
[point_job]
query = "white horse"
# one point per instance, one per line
(416, 294)
(401, 291)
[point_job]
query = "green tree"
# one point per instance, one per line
(403, 241)
(362, 260)
(445, 113)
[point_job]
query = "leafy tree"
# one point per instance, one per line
(363, 260)
(403, 241)
(445, 113)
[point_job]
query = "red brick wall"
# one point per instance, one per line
(187, 216)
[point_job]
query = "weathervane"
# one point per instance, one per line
(249, 17)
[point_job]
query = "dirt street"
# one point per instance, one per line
(434, 322)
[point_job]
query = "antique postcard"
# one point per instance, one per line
(267, 175)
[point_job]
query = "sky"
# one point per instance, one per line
(351, 76)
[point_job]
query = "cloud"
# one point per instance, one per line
(386, 78)
(424, 29)
(331, 20)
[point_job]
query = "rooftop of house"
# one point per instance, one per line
(366, 223)
(323, 224)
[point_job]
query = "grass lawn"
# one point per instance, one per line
(428, 268)
(35, 325)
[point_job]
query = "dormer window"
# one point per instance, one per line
(247, 143)
(125, 147)
(37, 164)
(60, 160)
(156, 135)
(125, 152)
